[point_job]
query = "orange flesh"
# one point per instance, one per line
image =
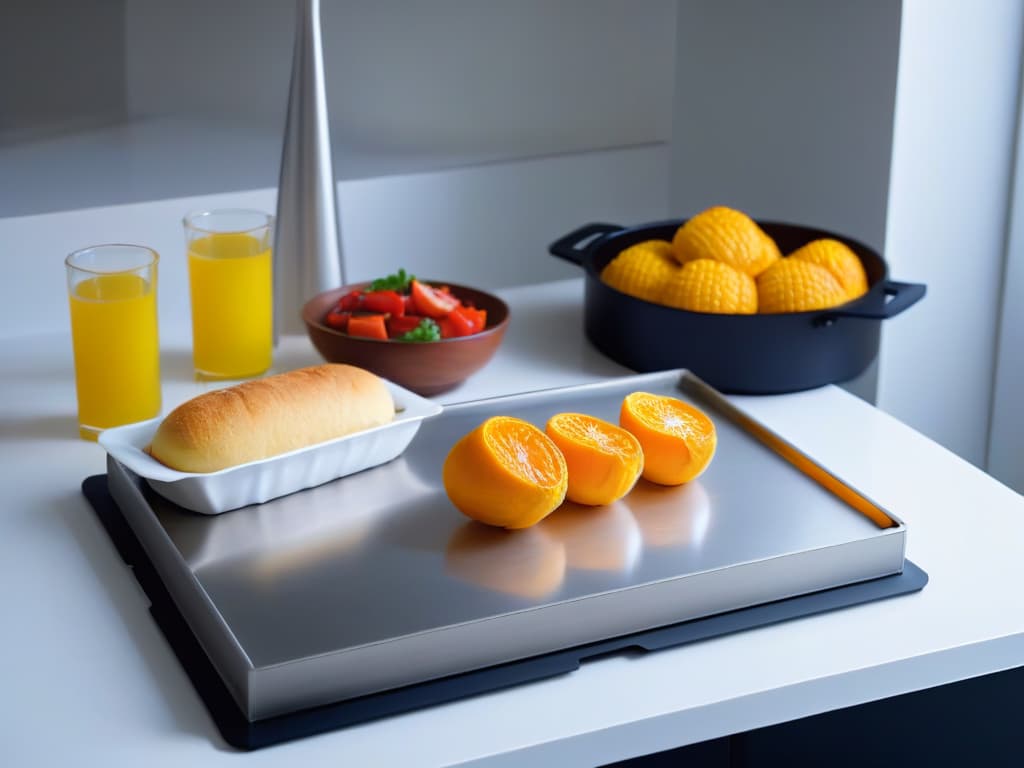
(678, 439)
(506, 473)
(604, 460)
(520, 448)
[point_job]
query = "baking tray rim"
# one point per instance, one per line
(670, 378)
(893, 531)
(691, 383)
(245, 734)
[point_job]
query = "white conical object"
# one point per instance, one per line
(307, 248)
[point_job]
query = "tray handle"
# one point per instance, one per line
(904, 296)
(574, 246)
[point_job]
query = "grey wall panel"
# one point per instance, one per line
(61, 65)
(785, 110)
(513, 78)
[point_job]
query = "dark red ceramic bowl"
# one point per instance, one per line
(427, 368)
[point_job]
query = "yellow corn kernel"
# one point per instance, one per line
(705, 285)
(794, 285)
(642, 269)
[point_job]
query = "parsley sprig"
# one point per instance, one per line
(427, 330)
(396, 282)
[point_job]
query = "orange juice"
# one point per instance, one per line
(117, 358)
(232, 318)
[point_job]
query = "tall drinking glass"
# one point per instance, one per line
(112, 294)
(229, 271)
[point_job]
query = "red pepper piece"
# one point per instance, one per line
(385, 302)
(351, 301)
(367, 326)
(444, 324)
(462, 324)
(479, 317)
(337, 319)
(397, 325)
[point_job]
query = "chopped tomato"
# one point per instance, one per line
(385, 302)
(337, 319)
(399, 305)
(430, 302)
(479, 317)
(445, 326)
(351, 300)
(368, 326)
(462, 323)
(469, 320)
(399, 324)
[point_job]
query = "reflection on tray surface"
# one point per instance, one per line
(343, 518)
(533, 562)
(525, 563)
(287, 532)
(596, 538)
(356, 584)
(671, 517)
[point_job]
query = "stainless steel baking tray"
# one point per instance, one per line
(376, 581)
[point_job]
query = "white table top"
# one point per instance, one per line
(88, 678)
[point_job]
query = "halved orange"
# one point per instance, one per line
(678, 439)
(506, 472)
(604, 460)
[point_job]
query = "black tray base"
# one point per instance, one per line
(242, 733)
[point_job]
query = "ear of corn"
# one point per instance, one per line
(726, 235)
(704, 285)
(720, 261)
(793, 285)
(641, 269)
(838, 259)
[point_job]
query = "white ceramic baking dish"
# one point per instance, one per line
(211, 493)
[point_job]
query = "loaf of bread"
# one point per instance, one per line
(266, 417)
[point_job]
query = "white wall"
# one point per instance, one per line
(956, 109)
(514, 78)
(486, 226)
(1006, 432)
(583, 85)
(200, 88)
(784, 110)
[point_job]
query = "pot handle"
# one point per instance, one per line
(568, 247)
(904, 296)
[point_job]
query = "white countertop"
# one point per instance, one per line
(89, 680)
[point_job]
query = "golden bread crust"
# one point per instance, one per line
(266, 417)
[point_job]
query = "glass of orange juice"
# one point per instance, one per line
(112, 294)
(229, 272)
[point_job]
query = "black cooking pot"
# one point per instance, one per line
(749, 354)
